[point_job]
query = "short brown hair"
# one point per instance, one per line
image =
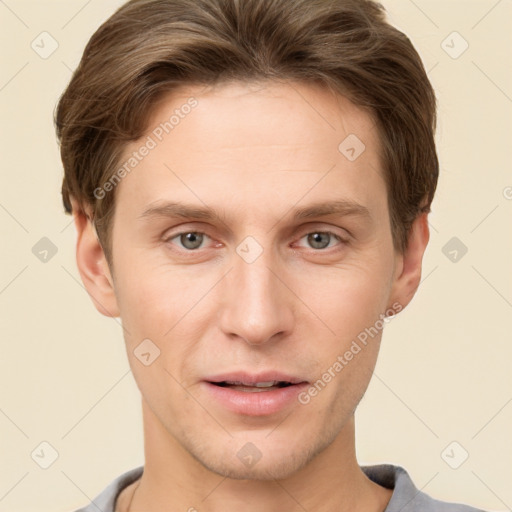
(150, 47)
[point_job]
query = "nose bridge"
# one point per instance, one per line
(255, 305)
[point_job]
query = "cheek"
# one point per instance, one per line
(154, 298)
(171, 308)
(349, 297)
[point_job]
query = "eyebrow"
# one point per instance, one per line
(340, 207)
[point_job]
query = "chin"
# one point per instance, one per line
(275, 461)
(263, 471)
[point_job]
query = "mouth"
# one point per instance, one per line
(256, 387)
(254, 395)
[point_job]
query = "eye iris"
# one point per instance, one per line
(315, 239)
(191, 240)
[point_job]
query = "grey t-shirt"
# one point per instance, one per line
(405, 498)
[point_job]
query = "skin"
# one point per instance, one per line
(253, 153)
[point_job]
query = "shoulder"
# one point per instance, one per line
(406, 497)
(106, 500)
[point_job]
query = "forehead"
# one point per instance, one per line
(271, 113)
(246, 140)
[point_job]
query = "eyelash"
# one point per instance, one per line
(342, 241)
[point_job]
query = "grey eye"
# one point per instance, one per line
(319, 240)
(191, 240)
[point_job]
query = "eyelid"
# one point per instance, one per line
(318, 227)
(168, 238)
(341, 241)
(182, 229)
(307, 230)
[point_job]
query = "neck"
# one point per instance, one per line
(173, 479)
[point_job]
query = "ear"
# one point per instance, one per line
(408, 265)
(92, 263)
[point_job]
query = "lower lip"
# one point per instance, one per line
(256, 403)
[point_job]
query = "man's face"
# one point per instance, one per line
(254, 294)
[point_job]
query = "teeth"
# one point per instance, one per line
(266, 384)
(257, 384)
(253, 389)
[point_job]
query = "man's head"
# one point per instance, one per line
(151, 47)
(270, 164)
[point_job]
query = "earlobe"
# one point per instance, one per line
(409, 264)
(92, 264)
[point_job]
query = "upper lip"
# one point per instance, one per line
(250, 379)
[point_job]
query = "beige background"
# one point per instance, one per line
(444, 371)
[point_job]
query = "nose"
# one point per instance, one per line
(256, 306)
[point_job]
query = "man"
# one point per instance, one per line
(250, 183)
